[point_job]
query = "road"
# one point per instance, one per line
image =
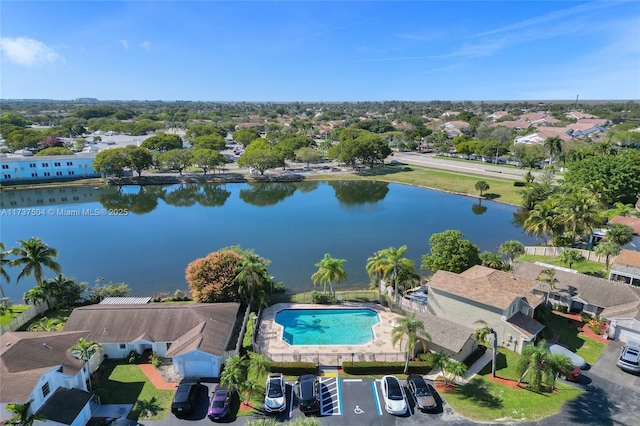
(473, 167)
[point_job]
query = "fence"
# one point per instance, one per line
(341, 296)
(555, 251)
(337, 358)
(24, 317)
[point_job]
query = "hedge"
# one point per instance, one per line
(371, 367)
(294, 368)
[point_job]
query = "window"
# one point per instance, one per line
(47, 174)
(63, 199)
(71, 172)
(45, 164)
(45, 390)
(5, 166)
(32, 165)
(513, 308)
(34, 175)
(76, 198)
(39, 201)
(52, 200)
(122, 346)
(7, 176)
(56, 164)
(69, 163)
(58, 173)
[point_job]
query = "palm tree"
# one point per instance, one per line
(533, 357)
(571, 256)
(581, 211)
(491, 260)
(413, 329)
(3, 272)
(258, 364)
(251, 387)
(512, 248)
(83, 350)
(553, 146)
(480, 335)
(374, 268)
(481, 186)
(607, 249)
(543, 221)
(548, 276)
(620, 234)
(22, 416)
(34, 295)
(234, 373)
(32, 255)
(440, 360)
(555, 365)
(394, 266)
(148, 407)
(330, 270)
(251, 275)
(456, 368)
(46, 324)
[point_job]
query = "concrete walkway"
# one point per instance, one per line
(156, 378)
(471, 371)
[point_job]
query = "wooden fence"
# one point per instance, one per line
(555, 251)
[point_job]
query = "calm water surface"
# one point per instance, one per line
(292, 224)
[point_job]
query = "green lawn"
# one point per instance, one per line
(500, 189)
(6, 317)
(122, 383)
(484, 400)
(587, 267)
(573, 338)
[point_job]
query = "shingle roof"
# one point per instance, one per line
(64, 405)
(25, 356)
(486, 285)
(594, 291)
(525, 325)
(445, 333)
(628, 257)
(633, 222)
(159, 323)
(627, 310)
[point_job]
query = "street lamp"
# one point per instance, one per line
(495, 349)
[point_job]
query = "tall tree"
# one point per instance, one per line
(252, 276)
(440, 360)
(84, 350)
(138, 158)
(393, 266)
(176, 159)
(32, 255)
(330, 271)
(543, 221)
(111, 161)
(620, 234)
(412, 329)
(553, 146)
(480, 336)
(491, 260)
(555, 365)
(450, 253)
(548, 277)
(571, 256)
(607, 249)
(512, 248)
(234, 373)
(581, 211)
(529, 363)
(481, 186)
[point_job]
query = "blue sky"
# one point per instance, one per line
(320, 51)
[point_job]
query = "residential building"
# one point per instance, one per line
(626, 267)
(634, 223)
(20, 168)
(38, 367)
(198, 338)
(502, 300)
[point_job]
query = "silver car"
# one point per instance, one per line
(629, 359)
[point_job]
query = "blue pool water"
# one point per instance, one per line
(327, 326)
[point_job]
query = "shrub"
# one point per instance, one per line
(133, 357)
(155, 360)
(294, 368)
(585, 317)
(518, 183)
(372, 367)
(426, 357)
(322, 298)
(560, 307)
(279, 287)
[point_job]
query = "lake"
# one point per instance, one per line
(292, 224)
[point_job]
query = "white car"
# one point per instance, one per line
(275, 393)
(395, 401)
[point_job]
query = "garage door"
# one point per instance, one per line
(623, 334)
(201, 368)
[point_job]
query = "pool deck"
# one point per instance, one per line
(269, 340)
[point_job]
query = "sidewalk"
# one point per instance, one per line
(156, 378)
(471, 371)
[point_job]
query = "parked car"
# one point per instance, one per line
(629, 359)
(219, 405)
(184, 400)
(275, 395)
(577, 360)
(395, 401)
(308, 393)
(421, 392)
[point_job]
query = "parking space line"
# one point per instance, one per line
(339, 396)
(377, 399)
(330, 397)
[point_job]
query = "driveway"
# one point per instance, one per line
(606, 368)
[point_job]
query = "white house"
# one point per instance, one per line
(197, 337)
(38, 367)
(20, 168)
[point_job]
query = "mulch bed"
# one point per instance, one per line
(507, 382)
(442, 387)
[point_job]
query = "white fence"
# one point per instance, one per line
(555, 251)
(24, 317)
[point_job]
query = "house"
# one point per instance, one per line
(634, 223)
(453, 339)
(618, 302)
(197, 337)
(20, 168)
(504, 301)
(626, 267)
(38, 367)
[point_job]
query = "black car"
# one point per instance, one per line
(184, 400)
(308, 393)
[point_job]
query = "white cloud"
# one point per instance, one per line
(146, 45)
(124, 43)
(28, 52)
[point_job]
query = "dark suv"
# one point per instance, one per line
(308, 393)
(184, 400)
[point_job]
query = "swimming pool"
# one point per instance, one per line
(327, 326)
